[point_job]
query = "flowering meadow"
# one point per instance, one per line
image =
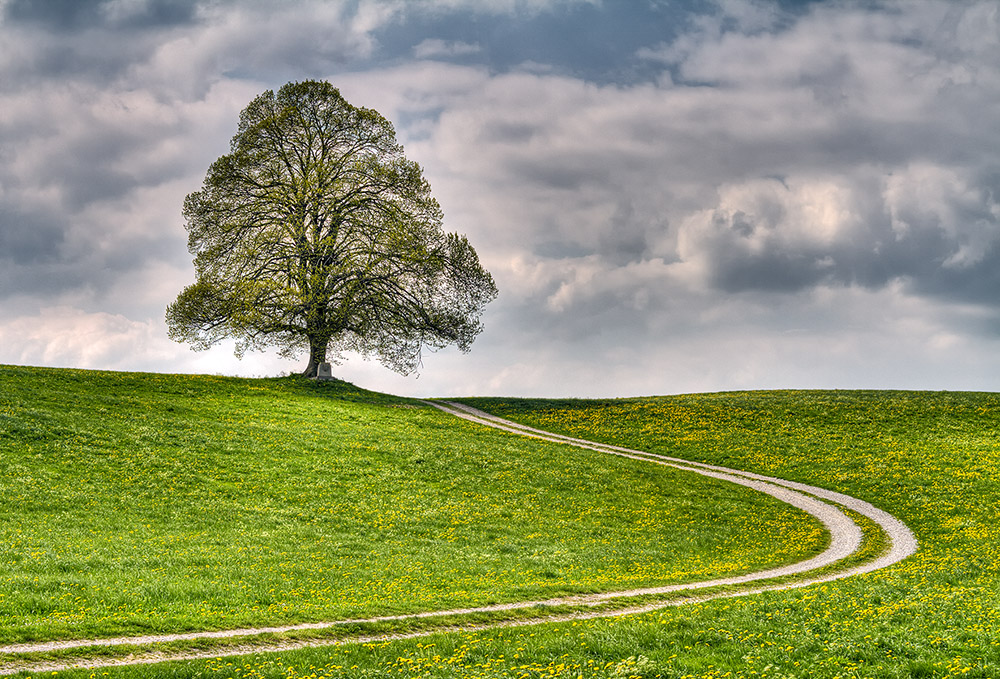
(931, 459)
(138, 503)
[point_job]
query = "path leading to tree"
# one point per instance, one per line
(825, 505)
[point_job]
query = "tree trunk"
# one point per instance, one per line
(317, 355)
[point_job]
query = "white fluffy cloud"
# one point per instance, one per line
(68, 337)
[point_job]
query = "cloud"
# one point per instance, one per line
(830, 338)
(779, 191)
(836, 159)
(65, 15)
(495, 7)
(861, 228)
(758, 179)
(434, 48)
(100, 193)
(114, 110)
(67, 337)
(263, 43)
(29, 237)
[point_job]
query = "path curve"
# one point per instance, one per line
(846, 538)
(901, 539)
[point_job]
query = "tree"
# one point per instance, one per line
(316, 233)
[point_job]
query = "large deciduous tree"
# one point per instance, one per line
(316, 233)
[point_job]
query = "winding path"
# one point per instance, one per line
(845, 539)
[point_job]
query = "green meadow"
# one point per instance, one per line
(137, 502)
(140, 503)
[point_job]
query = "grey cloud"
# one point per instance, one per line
(934, 228)
(66, 15)
(436, 48)
(562, 174)
(510, 132)
(78, 151)
(105, 101)
(58, 14)
(979, 284)
(627, 236)
(188, 46)
(72, 220)
(28, 238)
(42, 258)
(41, 281)
(73, 43)
(35, 58)
(84, 179)
(831, 171)
(560, 249)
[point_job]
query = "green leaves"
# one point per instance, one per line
(317, 232)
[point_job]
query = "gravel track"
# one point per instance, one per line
(845, 539)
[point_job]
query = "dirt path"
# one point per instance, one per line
(902, 541)
(845, 539)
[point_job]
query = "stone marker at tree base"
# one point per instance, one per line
(324, 372)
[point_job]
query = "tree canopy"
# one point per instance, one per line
(315, 233)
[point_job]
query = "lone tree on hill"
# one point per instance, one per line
(315, 232)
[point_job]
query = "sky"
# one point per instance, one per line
(672, 196)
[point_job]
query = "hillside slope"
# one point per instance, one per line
(139, 502)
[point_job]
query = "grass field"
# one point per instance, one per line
(136, 503)
(930, 458)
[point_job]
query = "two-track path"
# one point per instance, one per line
(825, 505)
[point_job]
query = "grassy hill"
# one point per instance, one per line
(160, 503)
(251, 461)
